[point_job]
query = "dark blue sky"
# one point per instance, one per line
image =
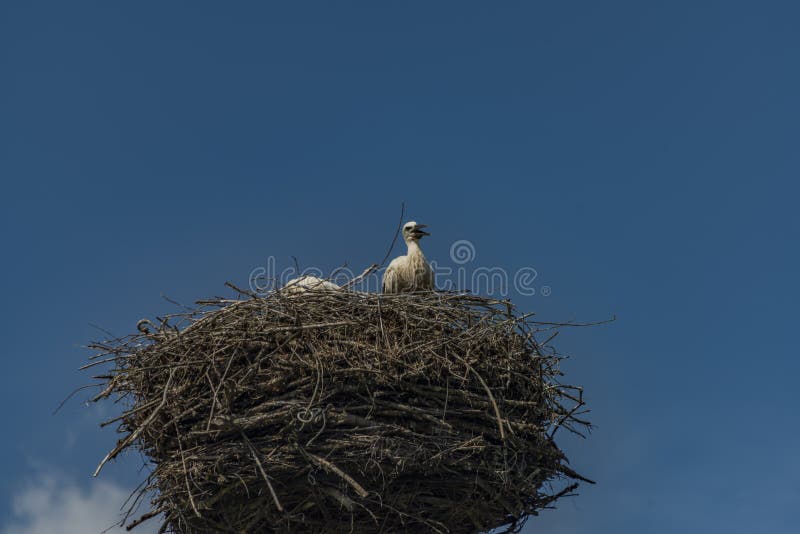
(643, 159)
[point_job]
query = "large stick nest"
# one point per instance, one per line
(338, 411)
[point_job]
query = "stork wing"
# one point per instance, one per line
(430, 279)
(390, 280)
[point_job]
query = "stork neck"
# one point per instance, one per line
(413, 248)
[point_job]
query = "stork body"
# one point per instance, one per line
(306, 282)
(411, 272)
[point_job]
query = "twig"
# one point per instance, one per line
(129, 439)
(186, 473)
(262, 471)
(491, 398)
(144, 517)
(68, 397)
(368, 271)
(240, 290)
(329, 467)
(606, 321)
(396, 233)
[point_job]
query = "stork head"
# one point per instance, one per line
(413, 231)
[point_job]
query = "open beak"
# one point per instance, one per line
(418, 230)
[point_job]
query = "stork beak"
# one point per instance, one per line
(418, 230)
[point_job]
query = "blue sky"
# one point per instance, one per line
(642, 158)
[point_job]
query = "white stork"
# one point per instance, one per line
(306, 282)
(410, 272)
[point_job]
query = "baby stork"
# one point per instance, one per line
(308, 282)
(410, 272)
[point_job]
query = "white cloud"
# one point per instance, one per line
(52, 504)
